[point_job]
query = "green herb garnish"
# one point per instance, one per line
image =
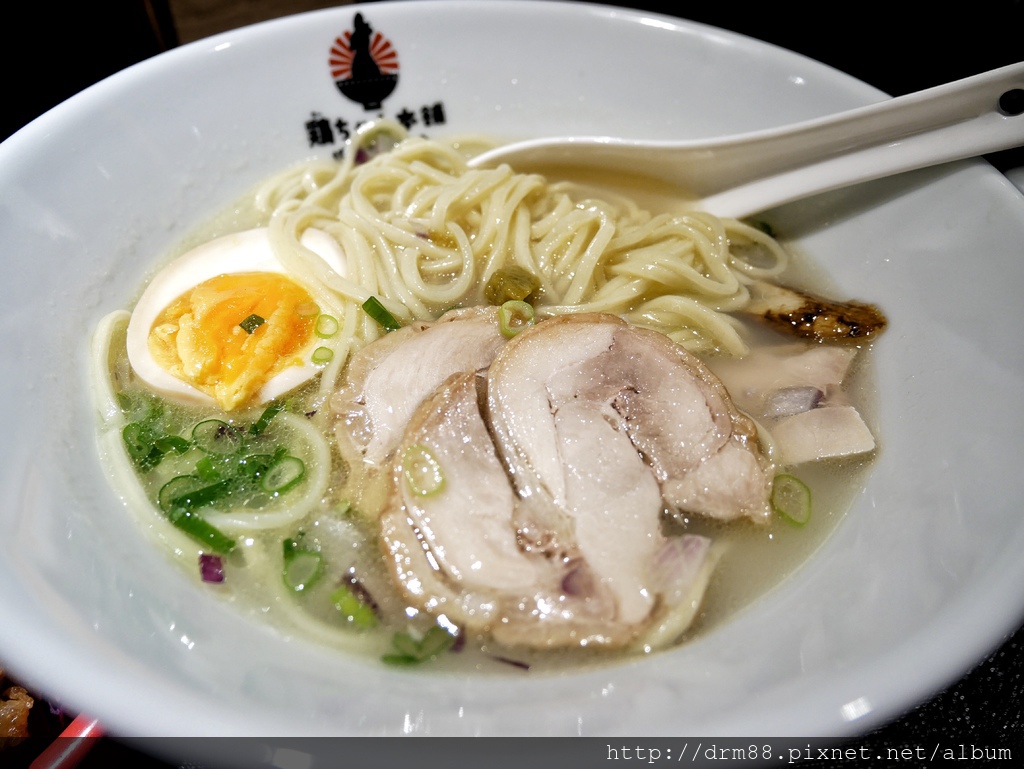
(791, 498)
(303, 566)
(422, 471)
(356, 611)
(513, 316)
(409, 651)
(380, 313)
(252, 323)
(263, 422)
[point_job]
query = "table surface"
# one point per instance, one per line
(871, 43)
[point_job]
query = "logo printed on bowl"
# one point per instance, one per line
(364, 65)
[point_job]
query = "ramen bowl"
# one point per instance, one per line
(920, 578)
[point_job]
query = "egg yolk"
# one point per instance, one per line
(198, 337)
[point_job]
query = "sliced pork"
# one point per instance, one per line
(527, 500)
(703, 452)
(455, 551)
(388, 379)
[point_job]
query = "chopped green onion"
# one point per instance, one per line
(205, 533)
(359, 613)
(380, 313)
(138, 442)
(435, 641)
(199, 496)
(322, 355)
(147, 446)
(176, 487)
(302, 566)
(180, 497)
(422, 471)
(283, 474)
(263, 422)
(510, 283)
(253, 466)
(791, 498)
(252, 323)
(326, 326)
(513, 316)
(215, 436)
(169, 443)
(207, 469)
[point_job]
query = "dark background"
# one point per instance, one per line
(50, 51)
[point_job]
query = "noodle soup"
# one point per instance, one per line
(408, 409)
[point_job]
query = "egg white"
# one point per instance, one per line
(248, 251)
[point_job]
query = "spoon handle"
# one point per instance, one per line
(963, 119)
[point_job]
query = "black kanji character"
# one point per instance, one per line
(433, 114)
(319, 130)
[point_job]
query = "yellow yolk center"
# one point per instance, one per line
(199, 340)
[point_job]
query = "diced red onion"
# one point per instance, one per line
(211, 568)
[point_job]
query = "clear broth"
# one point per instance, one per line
(755, 560)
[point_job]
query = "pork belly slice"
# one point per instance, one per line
(390, 377)
(676, 414)
(458, 551)
(558, 463)
(455, 552)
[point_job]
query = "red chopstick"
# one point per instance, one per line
(74, 742)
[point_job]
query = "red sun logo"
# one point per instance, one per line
(364, 64)
(381, 50)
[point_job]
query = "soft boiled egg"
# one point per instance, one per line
(226, 324)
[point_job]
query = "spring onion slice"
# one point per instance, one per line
(513, 316)
(326, 326)
(180, 497)
(283, 474)
(380, 313)
(791, 498)
(147, 445)
(409, 651)
(322, 355)
(263, 422)
(215, 436)
(357, 612)
(201, 531)
(422, 471)
(302, 566)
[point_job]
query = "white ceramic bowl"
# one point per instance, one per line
(922, 577)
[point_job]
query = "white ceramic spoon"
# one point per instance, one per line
(747, 173)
